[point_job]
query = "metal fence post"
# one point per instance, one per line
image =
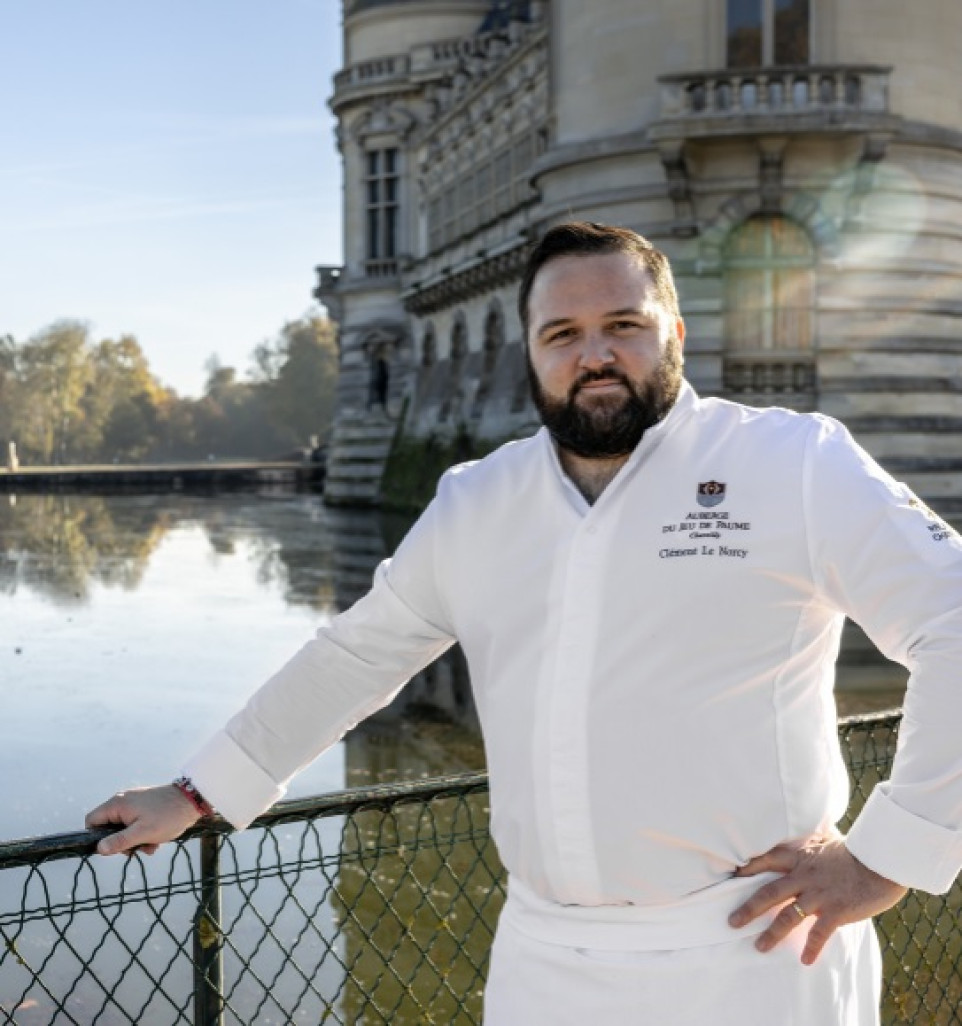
(208, 939)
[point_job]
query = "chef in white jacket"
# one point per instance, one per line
(650, 594)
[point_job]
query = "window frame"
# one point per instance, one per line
(768, 39)
(382, 203)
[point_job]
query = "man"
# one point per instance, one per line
(650, 595)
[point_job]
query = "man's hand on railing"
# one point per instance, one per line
(150, 816)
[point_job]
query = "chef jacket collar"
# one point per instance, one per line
(685, 405)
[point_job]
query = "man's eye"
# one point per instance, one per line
(561, 335)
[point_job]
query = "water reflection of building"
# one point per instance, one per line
(432, 726)
(358, 546)
(798, 160)
(429, 730)
(417, 899)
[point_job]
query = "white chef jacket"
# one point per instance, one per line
(654, 672)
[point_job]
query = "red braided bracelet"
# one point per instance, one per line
(186, 787)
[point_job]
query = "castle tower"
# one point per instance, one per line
(394, 50)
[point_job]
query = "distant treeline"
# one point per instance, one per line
(66, 399)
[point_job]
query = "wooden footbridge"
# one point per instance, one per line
(206, 476)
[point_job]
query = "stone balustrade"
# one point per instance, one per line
(831, 91)
(384, 268)
(375, 72)
(769, 372)
(470, 56)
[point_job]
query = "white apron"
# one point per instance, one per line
(535, 983)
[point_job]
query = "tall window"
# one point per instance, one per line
(766, 32)
(769, 308)
(382, 186)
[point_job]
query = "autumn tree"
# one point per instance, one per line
(65, 398)
(53, 376)
(299, 372)
(124, 402)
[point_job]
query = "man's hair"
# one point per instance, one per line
(587, 238)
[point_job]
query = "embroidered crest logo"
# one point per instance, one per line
(710, 493)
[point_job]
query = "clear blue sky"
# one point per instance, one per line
(167, 169)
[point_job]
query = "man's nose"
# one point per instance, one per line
(596, 351)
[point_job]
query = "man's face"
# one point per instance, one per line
(604, 355)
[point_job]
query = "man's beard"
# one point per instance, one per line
(612, 425)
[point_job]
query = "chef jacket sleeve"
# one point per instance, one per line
(885, 560)
(354, 666)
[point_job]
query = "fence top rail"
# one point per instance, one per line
(881, 718)
(334, 803)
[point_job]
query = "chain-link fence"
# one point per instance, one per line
(368, 906)
(922, 936)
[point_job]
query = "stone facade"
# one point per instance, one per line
(812, 209)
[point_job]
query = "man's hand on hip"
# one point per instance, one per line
(150, 816)
(820, 879)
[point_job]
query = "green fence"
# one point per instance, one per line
(368, 906)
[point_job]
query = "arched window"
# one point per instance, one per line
(491, 345)
(769, 309)
(381, 348)
(459, 351)
(429, 347)
(379, 378)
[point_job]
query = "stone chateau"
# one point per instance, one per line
(800, 161)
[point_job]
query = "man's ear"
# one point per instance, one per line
(680, 332)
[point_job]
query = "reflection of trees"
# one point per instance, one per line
(58, 544)
(315, 557)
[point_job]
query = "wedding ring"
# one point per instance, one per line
(802, 914)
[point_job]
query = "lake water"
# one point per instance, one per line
(132, 627)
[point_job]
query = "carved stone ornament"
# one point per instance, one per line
(384, 118)
(485, 276)
(478, 76)
(384, 340)
(771, 156)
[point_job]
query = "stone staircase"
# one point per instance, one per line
(355, 465)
